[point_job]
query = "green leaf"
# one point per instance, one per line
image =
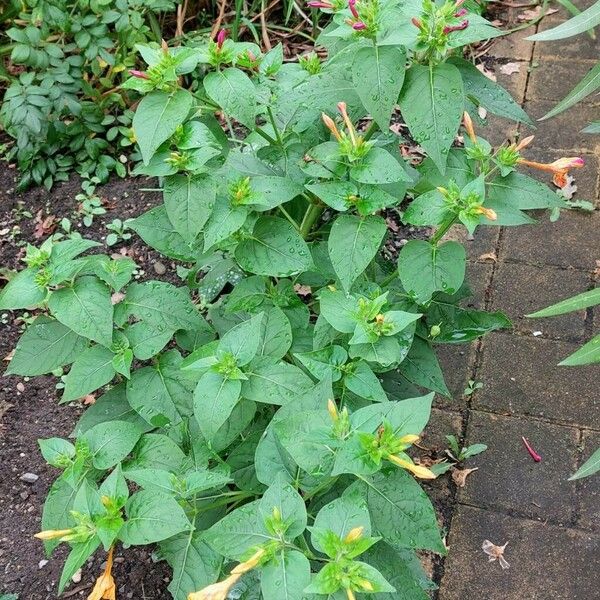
(341, 516)
(379, 167)
(338, 309)
(56, 513)
(146, 341)
(378, 75)
(579, 302)
(22, 291)
(489, 94)
(152, 517)
(80, 552)
(432, 103)
(587, 354)
(86, 308)
(189, 200)
(323, 363)
(214, 400)
(522, 192)
(195, 564)
(275, 384)
(90, 371)
(224, 221)
(460, 325)
(242, 341)
(584, 21)
(45, 346)
(275, 248)
(285, 576)
(110, 442)
(589, 467)
(234, 92)
(364, 383)
(276, 334)
(161, 393)
(428, 209)
(115, 273)
(401, 512)
(163, 306)
(282, 496)
(353, 243)
(426, 268)
(157, 117)
(56, 450)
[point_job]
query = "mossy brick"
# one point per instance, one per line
(571, 242)
(588, 488)
(521, 376)
(564, 132)
(553, 81)
(509, 479)
(547, 562)
(521, 289)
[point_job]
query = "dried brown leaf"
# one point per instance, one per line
(459, 476)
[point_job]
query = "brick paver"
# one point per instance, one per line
(552, 525)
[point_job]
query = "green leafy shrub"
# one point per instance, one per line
(65, 110)
(265, 411)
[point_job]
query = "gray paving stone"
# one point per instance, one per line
(455, 361)
(520, 289)
(512, 47)
(572, 241)
(588, 489)
(555, 80)
(509, 479)
(520, 377)
(563, 132)
(483, 241)
(546, 562)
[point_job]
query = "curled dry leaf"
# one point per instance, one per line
(116, 298)
(495, 553)
(489, 74)
(489, 256)
(459, 476)
(303, 290)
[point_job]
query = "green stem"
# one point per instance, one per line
(289, 217)
(263, 134)
(310, 217)
(274, 125)
(439, 234)
(373, 127)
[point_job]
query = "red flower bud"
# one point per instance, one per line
(450, 28)
(359, 26)
(221, 38)
(461, 13)
(352, 7)
(318, 4)
(138, 74)
(416, 22)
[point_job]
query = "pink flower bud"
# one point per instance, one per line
(416, 22)
(221, 38)
(460, 13)
(138, 74)
(458, 3)
(317, 4)
(358, 26)
(352, 7)
(450, 28)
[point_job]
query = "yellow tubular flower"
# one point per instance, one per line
(560, 167)
(411, 438)
(417, 470)
(366, 585)
(332, 410)
(487, 212)
(524, 143)
(330, 124)
(468, 124)
(105, 588)
(353, 535)
(350, 594)
(52, 534)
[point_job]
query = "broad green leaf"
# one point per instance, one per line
(158, 232)
(275, 384)
(157, 451)
(589, 467)
(163, 306)
(579, 302)
(378, 167)
(428, 209)
(401, 513)
(189, 200)
(22, 291)
(234, 92)
(242, 341)
(90, 371)
(338, 309)
(146, 341)
(45, 346)
(364, 383)
(326, 362)
(80, 552)
(487, 93)
(432, 103)
(224, 221)
(66, 250)
(334, 193)
(111, 442)
(195, 564)
(274, 248)
(459, 325)
(426, 268)
(115, 273)
(276, 334)
(587, 354)
(157, 117)
(214, 400)
(86, 308)
(56, 450)
(152, 517)
(341, 516)
(282, 496)
(588, 19)
(378, 75)
(285, 576)
(56, 513)
(522, 192)
(353, 243)
(161, 393)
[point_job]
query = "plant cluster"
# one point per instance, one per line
(64, 107)
(266, 411)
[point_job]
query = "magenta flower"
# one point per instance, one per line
(317, 4)
(221, 36)
(359, 26)
(460, 13)
(352, 7)
(138, 74)
(450, 28)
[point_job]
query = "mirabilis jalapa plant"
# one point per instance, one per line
(267, 418)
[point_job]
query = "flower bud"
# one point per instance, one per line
(450, 28)
(468, 123)
(332, 410)
(138, 74)
(460, 13)
(330, 124)
(52, 534)
(352, 7)
(435, 331)
(221, 36)
(416, 22)
(353, 535)
(359, 26)
(409, 438)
